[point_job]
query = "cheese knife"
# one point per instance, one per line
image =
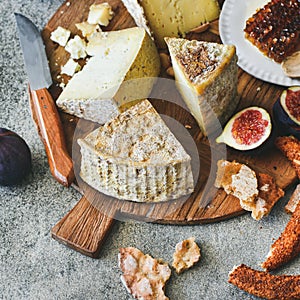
(44, 111)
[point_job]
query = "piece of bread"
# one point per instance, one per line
(206, 77)
(265, 285)
(143, 276)
(238, 180)
(268, 194)
(290, 147)
(136, 157)
(257, 193)
(294, 200)
(287, 246)
(186, 254)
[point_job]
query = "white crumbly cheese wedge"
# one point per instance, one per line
(88, 29)
(76, 47)
(100, 14)
(143, 276)
(186, 254)
(206, 76)
(104, 84)
(165, 18)
(70, 68)
(136, 157)
(60, 36)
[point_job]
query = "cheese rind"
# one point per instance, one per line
(136, 157)
(206, 76)
(171, 18)
(108, 82)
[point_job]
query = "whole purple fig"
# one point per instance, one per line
(15, 158)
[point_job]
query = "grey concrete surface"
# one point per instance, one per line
(34, 266)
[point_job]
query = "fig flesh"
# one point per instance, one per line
(286, 111)
(247, 129)
(15, 158)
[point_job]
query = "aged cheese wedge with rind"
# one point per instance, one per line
(136, 157)
(171, 18)
(206, 77)
(97, 93)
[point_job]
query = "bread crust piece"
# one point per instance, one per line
(265, 285)
(268, 195)
(287, 246)
(294, 200)
(186, 255)
(257, 193)
(290, 147)
(144, 277)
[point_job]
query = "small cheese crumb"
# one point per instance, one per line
(60, 36)
(88, 29)
(76, 47)
(100, 14)
(68, 3)
(62, 85)
(70, 67)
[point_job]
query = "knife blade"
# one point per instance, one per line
(43, 108)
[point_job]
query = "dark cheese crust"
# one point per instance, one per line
(265, 285)
(275, 28)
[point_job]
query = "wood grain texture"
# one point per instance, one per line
(83, 229)
(51, 132)
(206, 204)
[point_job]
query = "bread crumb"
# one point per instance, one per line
(143, 276)
(187, 253)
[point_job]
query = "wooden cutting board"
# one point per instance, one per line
(85, 227)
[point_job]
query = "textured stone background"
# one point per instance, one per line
(34, 266)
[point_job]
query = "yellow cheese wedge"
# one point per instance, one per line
(171, 18)
(97, 92)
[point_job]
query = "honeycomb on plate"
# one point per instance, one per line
(275, 28)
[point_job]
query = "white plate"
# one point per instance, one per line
(232, 23)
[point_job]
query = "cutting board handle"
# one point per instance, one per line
(83, 229)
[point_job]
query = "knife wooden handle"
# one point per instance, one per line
(50, 129)
(83, 229)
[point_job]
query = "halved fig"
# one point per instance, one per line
(247, 129)
(286, 111)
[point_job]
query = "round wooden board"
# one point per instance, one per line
(200, 207)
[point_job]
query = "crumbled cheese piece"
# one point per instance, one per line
(60, 35)
(100, 14)
(88, 29)
(62, 85)
(70, 68)
(76, 47)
